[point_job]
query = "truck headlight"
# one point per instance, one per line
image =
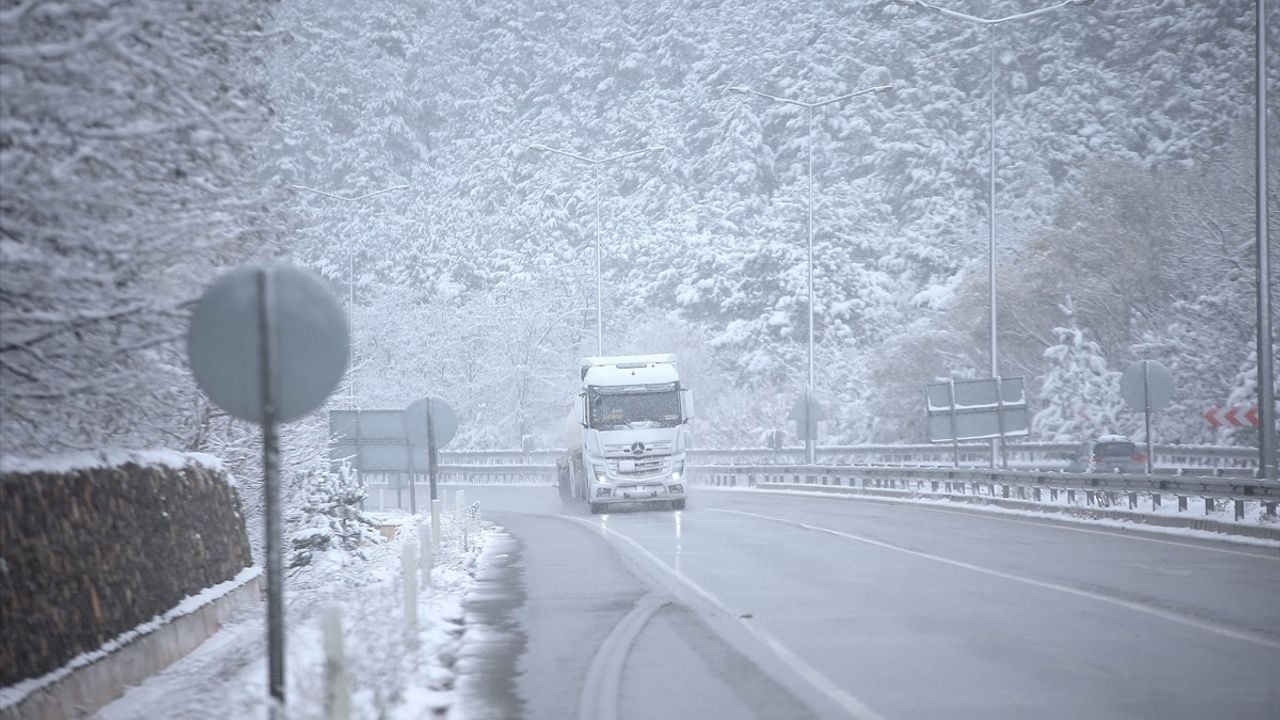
(677, 471)
(600, 473)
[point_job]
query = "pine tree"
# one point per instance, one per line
(331, 518)
(1081, 396)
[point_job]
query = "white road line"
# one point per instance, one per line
(602, 686)
(1157, 612)
(681, 586)
(1056, 523)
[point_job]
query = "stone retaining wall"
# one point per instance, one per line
(92, 546)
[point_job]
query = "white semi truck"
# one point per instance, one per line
(627, 433)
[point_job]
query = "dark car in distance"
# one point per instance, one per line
(1107, 454)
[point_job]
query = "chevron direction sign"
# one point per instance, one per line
(1234, 416)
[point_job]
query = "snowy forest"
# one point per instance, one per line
(148, 146)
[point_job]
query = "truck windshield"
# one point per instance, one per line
(612, 410)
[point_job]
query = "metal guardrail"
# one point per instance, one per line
(1103, 490)
(1095, 489)
(1235, 461)
(496, 474)
(1047, 456)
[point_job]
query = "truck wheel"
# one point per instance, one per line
(596, 508)
(677, 504)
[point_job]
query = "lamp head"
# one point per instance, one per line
(1081, 3)
(910, 3)
(539, 146)
(738, 89)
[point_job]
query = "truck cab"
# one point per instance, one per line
(634, 417)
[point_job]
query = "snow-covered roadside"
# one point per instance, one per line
(390, 673)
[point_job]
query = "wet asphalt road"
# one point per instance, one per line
(777, 606)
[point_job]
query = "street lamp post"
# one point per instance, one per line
(1266, 374)
(809, 444)
(991, 24)
(595, 185)
(351, 272)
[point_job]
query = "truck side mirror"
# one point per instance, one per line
(686, 401)
(582, 408)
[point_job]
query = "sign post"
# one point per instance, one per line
(433, 494)
(247, 328)
(432, 422)
(807, 412)
(1147, 386)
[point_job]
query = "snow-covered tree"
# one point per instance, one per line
(328, 519)
(128, 132)
(1079, 396)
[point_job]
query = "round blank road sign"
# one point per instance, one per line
(308, 326)
(444, 421)
(1159, 381)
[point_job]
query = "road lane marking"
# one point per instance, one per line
(1157, 612)
(1058, 524)
(602, 686)
(716, 615)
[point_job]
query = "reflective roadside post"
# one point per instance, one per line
(268, 343)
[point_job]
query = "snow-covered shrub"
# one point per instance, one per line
(331, 520)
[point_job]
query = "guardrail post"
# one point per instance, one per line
(1269, 508)
(1209, 505)
(1004, 491)
(1035, 493)
(1155, 501)
(1088, 497)
(1071, 497)
(1182, 503)
(1133, 501)
(1239, 509)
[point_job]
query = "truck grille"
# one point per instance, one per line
(644, 467)
(657, 447)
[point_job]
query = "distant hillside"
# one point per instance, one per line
(1122, 197)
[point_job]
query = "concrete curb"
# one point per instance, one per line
(86, 689)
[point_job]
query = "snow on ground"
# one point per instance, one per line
(391, 673)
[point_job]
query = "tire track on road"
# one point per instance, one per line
(602, 687)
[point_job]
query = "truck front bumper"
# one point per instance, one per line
(651, 490)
